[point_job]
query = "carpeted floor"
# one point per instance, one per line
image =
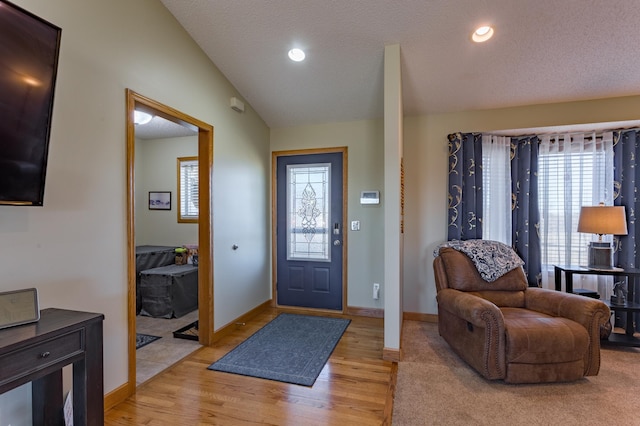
(435, 387)
(291, 348)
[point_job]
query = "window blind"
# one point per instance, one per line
(573, 172)
(188, 189)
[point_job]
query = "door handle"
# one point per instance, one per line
(337, 242)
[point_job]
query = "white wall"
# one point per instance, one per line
(426, 167)
(156, 170)
(365, 143)
(74, 248)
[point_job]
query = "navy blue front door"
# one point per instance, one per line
(309, 209)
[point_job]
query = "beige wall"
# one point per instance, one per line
(365, 252)
(156, 170)
(74, 248)
(425, 154)
(393, 238)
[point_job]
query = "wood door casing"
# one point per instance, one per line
(205, 223)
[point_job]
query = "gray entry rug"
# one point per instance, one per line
(144, 339)
(291, 348)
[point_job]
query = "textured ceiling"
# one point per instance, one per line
(159, 128)
(542, 51)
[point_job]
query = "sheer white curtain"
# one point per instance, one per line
(496, 188)
(575, 170)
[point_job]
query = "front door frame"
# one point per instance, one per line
(205, 224)
(274, 217)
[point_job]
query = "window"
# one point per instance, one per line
(188, 189)
(573, 171)
(496, 188)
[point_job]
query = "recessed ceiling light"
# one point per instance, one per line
(482, 34)
(296, 55)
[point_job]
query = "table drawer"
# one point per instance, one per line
(36, 357)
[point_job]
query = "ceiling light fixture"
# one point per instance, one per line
(140, 117)
(296, 55)
(482, 34)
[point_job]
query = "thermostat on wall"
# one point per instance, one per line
(370, 197)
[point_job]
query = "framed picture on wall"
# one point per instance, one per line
(159, 200)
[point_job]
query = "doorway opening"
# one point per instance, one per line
(204, 131)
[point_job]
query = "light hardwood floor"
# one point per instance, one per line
(354, 388)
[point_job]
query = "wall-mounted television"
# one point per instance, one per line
(29, 50)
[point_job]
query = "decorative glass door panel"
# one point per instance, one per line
(308, 205)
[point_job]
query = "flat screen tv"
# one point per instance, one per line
(29, 49)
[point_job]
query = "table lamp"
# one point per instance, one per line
(602, 220)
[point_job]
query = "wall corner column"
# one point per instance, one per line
(393, 144)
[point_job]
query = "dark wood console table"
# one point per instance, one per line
(633, 279)
(37, 352)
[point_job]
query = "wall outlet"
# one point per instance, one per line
(376, 291)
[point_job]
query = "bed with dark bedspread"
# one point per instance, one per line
(169, 291)
(149, 257)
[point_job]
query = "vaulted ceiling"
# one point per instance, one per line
(543, 51)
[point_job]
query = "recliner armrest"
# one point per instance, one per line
(476, 310)
(580, 309)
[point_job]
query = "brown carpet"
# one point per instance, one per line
(435, 387)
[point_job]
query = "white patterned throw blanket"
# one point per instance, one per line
(492, 259)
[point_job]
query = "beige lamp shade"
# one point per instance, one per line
(603, 220)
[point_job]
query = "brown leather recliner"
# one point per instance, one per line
(507, 330)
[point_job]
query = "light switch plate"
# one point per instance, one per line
(355, 225)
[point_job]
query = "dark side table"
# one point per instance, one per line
(617, 339)
(37, 352)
